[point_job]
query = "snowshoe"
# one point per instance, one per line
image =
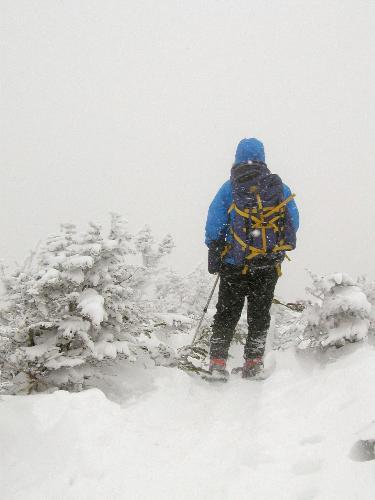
(192, 358)
(215, 375)
(217, 371)
(251, 369)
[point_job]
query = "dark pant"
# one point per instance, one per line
(258, 286)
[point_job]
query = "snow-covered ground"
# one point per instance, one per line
(176, 437)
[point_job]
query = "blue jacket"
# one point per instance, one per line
(217, 218)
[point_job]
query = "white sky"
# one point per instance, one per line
(137, 106)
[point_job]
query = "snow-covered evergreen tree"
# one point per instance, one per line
(340, 314)
(368, 287)
(74, 307)
(186, 295)
(151, 254)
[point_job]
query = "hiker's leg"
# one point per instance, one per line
(259, 300)
(232, 292)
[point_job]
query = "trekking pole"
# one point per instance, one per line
(205, 309)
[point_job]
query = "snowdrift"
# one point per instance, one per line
(288, 437)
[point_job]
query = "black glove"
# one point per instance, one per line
(214, 256)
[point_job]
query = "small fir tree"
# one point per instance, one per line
(73, 308)
(340, 314)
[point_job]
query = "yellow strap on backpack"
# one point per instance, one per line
(280, 205)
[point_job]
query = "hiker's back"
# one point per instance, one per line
(259, 230)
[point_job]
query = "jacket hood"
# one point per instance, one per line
(249, 149)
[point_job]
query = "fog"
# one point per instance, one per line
(137, 107)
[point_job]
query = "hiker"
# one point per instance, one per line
(251, 223)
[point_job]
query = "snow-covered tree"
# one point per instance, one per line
(185, 295)
(151, 254)
(73, 308)
(340, 314)
(368, 287)
(286, 322)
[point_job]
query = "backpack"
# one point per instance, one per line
(260, 228)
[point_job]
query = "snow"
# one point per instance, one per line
(110, 244)
(79, 262)
(63, 362)
(174, 436)
(349, 298)
(174, 319)
(353, 331)
(106, 348)
(50, 276)
(91, 305)
(34, 352)
(327, 282)
(70, 327)
(75, 275)
(122, 347)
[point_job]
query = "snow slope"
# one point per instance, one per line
(288, 437)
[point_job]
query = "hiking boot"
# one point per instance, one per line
(252, 367)
(218, 369)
